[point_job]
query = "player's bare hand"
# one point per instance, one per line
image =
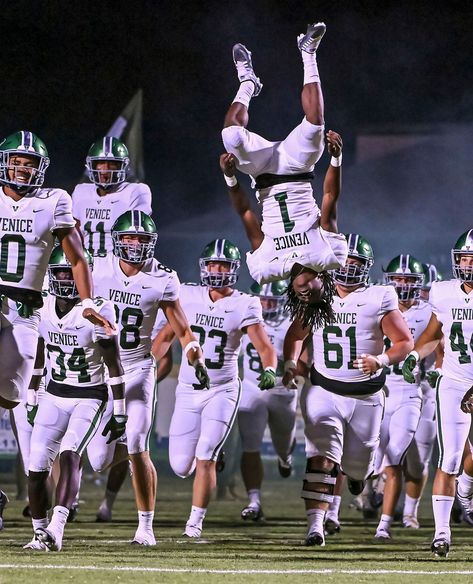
(289, 379)
(334, 143)
(466, 404)
(367, 363)
(228, 164)
(95, 318)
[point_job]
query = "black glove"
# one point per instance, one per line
(31, 412)
(203, 377)
(116, 426)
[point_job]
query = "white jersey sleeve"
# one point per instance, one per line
(140, 198)
(63, 211)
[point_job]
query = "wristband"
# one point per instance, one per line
(272, 369)
(230, 180)
(383, 360)
(289, 364)
(39, 371)
(31, 397)
(414, 354)
(336, 161)
(192, 345)
(199, 361)
(119, 407)
(88, 303)
(116, 380)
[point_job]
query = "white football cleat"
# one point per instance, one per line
(244, 66)
(331, 525)
(441, 545)
(37, 545)
(253, 512)
(309, 41)
(194, 531)
(51, 540)
(411, 522)
(144, 538)
(382, 533)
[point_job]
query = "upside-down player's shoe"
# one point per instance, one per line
(252, 512)
(37, 545)
(3, 502)
(309, 41)
(144, 538)
(314, 538)
(194, 531)
(441, 545)
(52, 540)
(244, 66)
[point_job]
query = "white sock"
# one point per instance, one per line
(197, 516)
(245, 93)
(465, 485)
(442, 507)
(311, 70)
(59, 519)
(315, 520)
(334, 507)
(145, 520)
(254, 495)
(39, 523)
(411, 505)
(385, 522)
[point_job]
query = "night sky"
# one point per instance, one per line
(69, 68)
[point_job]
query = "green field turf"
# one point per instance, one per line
(230, 549)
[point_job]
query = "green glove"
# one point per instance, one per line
(267, 379)
(31, 412)
(432, 377)
(408, 367)
(203, 377)
(116, 426)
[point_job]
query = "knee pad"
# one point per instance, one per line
(319, 485)
(100, 460)
(182, 466)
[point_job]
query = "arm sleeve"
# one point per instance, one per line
(253, 313)
(63, 212)
(141, 199)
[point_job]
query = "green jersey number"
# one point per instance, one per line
(130, 321)
(288, 223)
(219, 347)
(458, 343)
(100, 229)
(7, 274)
(76, 363)
(333, 350)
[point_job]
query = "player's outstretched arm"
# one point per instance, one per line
(72, 246)
(116, 426)
(241, 202)
(292, 348)
(332, 183)
(269, 359)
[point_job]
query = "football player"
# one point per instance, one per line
(452, 318)
(202, 420)
(343, 408)
(419, 453)
(138, 285)
(69, 413)
(403, 400)
(294, 237)
(258, 409)
(310, 290)
(31, 218)
(97, 205)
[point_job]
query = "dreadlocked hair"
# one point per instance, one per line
(315, 315)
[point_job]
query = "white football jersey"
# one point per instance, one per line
(218, 327)
(136, 300)
(356, 330)
(73, 355)
(454, 311)
(252, 367)
(97, 214)
(288, 208)
(417, 318)
(26, 235)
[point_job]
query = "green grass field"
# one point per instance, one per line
(230, 549)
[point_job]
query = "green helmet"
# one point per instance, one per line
(134, 223)
(108, 149)
(59, 262)
(273, 298)
(405, 265)
(219, 250)
(23, 144)
(431, 274)
(356, 274)
(463, 247)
